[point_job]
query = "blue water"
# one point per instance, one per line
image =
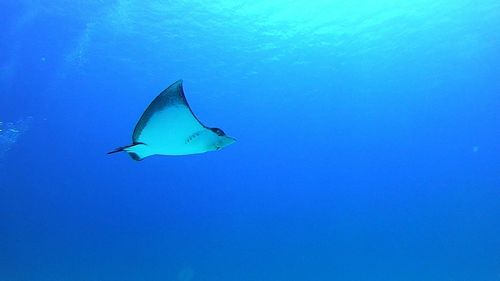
(368, 141)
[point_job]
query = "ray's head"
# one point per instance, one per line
(220, 139)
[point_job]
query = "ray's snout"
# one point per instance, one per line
(225, 141)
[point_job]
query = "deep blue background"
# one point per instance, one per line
(368, 141)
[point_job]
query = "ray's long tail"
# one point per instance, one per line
(124, 148)
(119, 149)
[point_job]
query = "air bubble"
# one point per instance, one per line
(11, 131)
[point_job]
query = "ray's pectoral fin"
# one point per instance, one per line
(134, 150)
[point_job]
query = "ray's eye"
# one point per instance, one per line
(218, 131)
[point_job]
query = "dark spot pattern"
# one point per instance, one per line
(192, 137)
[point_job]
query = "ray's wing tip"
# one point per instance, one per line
(177, 85)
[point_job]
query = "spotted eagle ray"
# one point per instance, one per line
(169, 127)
